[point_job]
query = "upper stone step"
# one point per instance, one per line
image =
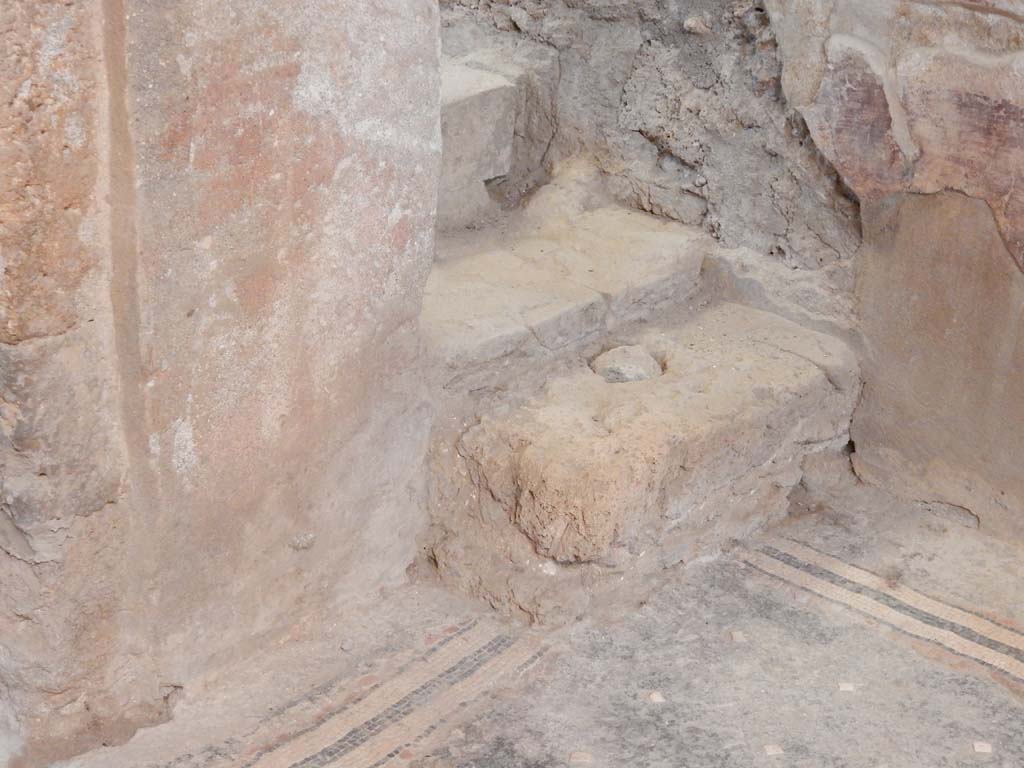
(478, 118)
(498, 104)
(565, 283)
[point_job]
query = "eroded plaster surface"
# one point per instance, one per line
(217, 224)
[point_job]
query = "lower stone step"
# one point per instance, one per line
(689, 438)
(561, 284)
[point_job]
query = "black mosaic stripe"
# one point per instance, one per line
(897, 605)
(334, 712)
(410, 744)
(531, 661)
(404, 706)
(889, 624)
(975, 614)
(420, 738)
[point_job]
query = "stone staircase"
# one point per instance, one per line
(555, 286)
(604, 412)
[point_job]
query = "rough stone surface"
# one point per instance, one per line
(62, 456)
(918, 97)
(216, 222)
(641, 476)
(625, 364)
(217, 225)
(746, 277)
(686, 123)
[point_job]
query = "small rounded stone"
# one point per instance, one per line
(695, 25)
(623, 364)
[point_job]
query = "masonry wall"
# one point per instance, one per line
(943, 314)
(218, 218)
(920, 106)
(62, 456)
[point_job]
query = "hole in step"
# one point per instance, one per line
(625, 364)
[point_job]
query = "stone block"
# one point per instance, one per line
(557, 285)
(680, 462)
(478, 117)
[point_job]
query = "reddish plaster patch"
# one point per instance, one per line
(253, 152)
(852, 121)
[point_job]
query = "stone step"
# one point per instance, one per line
(561, 285)
(691, 437)
(498, 121)
(478, 118)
